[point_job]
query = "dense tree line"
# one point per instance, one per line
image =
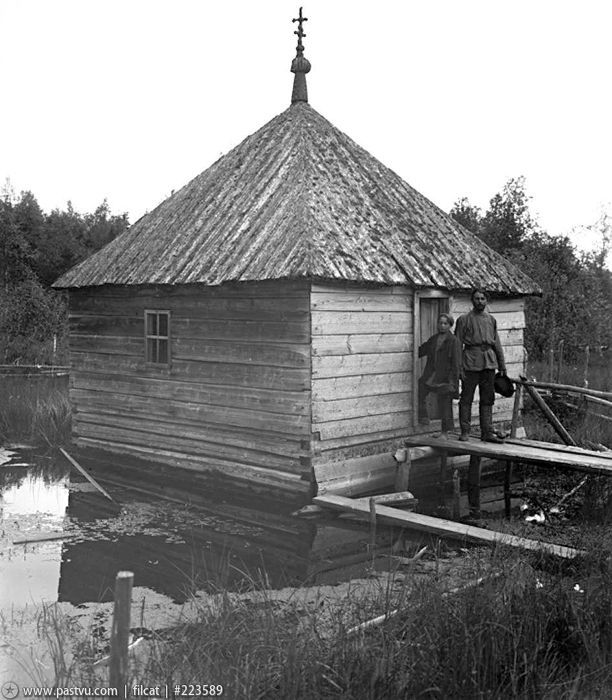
(576, 305)
(35, 249)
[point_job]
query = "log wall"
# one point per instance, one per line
(235, 398)
(361, 369)
(362, 378)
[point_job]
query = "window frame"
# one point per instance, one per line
(147, 336)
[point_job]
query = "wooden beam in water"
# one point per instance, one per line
(89, 478)
(443, 528)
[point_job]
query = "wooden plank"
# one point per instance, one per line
(347, 365)
(106, 325)
(347, 287)
(560, 448)
(256, 398)
(367, 343)
(86, 474)
(363, 385)
(107, 344)
(341, 409)
(200, 414)
(363, 426)
(567, 387)
(240, 352)
(443, 528)
(198, 306)
(359, 300)
(288, 447)
(230, 374)
(512, 336)
(277, 479)
(347, 322)
(595, 464)
(44, 537)
(263, 288)
(189, 443)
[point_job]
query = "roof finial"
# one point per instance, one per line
(300, 65)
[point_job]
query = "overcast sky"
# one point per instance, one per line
(130, 99)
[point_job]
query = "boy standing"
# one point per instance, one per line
(482, 356)
(441, 373)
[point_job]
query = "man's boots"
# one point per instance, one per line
(465, 420)
(486, 425)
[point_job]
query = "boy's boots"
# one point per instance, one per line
(465, 420)
(486, 425)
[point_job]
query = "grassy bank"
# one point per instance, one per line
(534, 630)
(35, 409)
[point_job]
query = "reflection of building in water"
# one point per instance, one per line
(226, 547)
(30, 573)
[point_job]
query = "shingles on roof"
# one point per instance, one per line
(299, 199)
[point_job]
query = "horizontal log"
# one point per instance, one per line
(247, 290)
(362, 426)
(292, 484)
(177, 411)
(186, 441)
(231, 374)
(259, 399)
(364, 385)
(108, 344)
(247, 330)
(348, 344)
(359, 407)
(198, 306)
(346, 322)
(360, 300)
(346, 365)
(564, 387)
(241, 352)
(343, 287)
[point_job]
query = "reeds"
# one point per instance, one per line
(534, 630)
(35, 409)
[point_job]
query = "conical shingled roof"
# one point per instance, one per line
(299, 199)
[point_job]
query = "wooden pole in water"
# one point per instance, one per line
(120, 632)
(456, 495)
(89, 478)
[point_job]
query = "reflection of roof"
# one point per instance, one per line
(299, 199)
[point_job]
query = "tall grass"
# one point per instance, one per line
(536, 630)
(35, 409)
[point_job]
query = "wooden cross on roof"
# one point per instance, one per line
(300, 31)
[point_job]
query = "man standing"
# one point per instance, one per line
(482, 355)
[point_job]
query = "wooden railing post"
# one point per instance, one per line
(120, 632)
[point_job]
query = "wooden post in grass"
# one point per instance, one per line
(373, 529)
(120, 632)
(585, 380)
(442, 477)
(516, 408)
(560, 363)
(551, 364)
(456, 495)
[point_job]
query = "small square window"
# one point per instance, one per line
(157, 337)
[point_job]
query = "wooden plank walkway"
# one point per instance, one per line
(441, 527)
(516, 450)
